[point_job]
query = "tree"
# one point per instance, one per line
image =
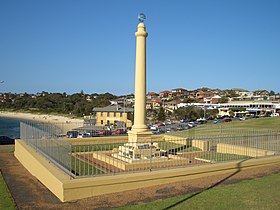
(231, 113)
(271, 93)
(190, 100)
(44, 102)
(238, 109)
(204, 89)
(161, 115)
(211, 113)
(189, 112)
(231, 93)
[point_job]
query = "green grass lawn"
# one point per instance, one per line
(261, 193)
(6, 201)
(218, 157)
(235, 127)
(82, 168)
(7, 148)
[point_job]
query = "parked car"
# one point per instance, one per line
(211, 118)
(80, 135)
(93, 133)
(227, 120)
(191, 124)
(105, 133)
(168, 130)
(220, 117)
(6, 140)
(216, 121)
(159, 131)
(185, 120)
(72, 134)
(274, 115)
(119, 131)
(255, 116)
(153, 128)
(201, 120)
(167, 123)
(159, 124)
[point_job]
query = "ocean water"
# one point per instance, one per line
(9, 127)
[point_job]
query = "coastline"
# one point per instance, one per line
(66, 123)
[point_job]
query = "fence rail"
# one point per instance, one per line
(82, 160)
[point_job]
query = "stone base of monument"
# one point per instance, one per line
(140, 156)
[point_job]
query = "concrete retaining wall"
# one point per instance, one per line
(241, 150)
(133, 165)
(67, 189)
(39, 167)
(201, 144)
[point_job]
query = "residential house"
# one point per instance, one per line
(192, 93)
(277, 97)
(153, 104)
(151, 95)
(200, 95)
(261, 92)
(164, 94)
(215, 99)
(171, 95)
(179, 92)
(89, 98)
(171, 105)
(212, 100)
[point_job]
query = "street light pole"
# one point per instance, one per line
(204, 112)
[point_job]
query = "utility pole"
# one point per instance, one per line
(204, 111)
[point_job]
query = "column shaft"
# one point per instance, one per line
(140, 84)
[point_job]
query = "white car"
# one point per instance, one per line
(153, 128)
(274, 115)
(201, 119)
(191, 124)
(80, 135)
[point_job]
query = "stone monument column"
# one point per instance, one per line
(139, 130)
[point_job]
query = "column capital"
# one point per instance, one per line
(141, 30)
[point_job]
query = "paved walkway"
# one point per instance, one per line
(26, 190)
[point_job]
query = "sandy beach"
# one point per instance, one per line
(60, 121)
(39, 117)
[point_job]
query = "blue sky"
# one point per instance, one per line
(69, 46)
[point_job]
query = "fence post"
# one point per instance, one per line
(151, 155)
(70, 167)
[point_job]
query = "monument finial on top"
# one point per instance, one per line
(141, 17)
